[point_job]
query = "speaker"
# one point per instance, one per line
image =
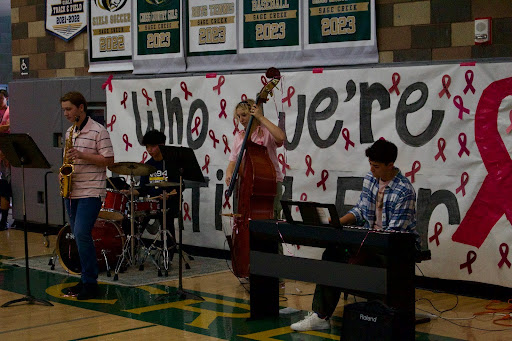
(365, 321)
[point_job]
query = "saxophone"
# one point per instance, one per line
(67, 168)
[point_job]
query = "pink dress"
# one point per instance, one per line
(266, 139)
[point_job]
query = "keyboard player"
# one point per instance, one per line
(387, 202)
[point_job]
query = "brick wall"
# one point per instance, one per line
(406, 31)
(49, 56)
(441, 29)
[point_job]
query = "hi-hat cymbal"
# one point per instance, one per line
(132, 168)
(163, 184)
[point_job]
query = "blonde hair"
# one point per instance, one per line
(246, 107)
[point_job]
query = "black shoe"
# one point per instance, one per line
(74, 290)
(89, 291)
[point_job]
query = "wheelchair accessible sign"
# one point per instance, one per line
(65, 18)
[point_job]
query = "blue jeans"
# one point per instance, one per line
(82, 215)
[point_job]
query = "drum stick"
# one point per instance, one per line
(231, 215)
(173, 192)
(112, 184)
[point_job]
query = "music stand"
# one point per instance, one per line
(181, 162)
(21, 151)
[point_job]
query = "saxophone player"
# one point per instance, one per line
(90, 152)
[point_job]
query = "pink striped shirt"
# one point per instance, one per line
(89, 180)
(265, 140)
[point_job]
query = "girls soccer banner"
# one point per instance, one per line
(211, 34)
(158, 37)
(110, 35)
(451, 123)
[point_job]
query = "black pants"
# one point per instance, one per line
(326, 298)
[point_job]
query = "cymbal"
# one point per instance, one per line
(163, 184)
(132, 168)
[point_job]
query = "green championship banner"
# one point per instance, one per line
(270, 26)
(157, 39)
(110, 35)
(338, 21)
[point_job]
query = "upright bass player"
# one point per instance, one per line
(260, 164)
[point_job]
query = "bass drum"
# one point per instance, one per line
(108, 239)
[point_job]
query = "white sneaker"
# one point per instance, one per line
(311, 322)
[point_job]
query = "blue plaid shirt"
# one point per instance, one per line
(399, 205)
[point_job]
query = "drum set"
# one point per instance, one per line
(118, 231)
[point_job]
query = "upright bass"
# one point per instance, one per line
(256, 186)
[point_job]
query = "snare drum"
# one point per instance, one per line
(141, 207)
(114, 206)
(108, 239)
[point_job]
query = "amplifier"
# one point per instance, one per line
(371, 320)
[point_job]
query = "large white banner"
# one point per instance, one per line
(451, 123)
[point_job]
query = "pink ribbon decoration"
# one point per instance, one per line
(303, 197)
(236, 127)
(438, 228)
(283, 163)
(112, 121)
(469, 82)
(206, 163)
(396, 80)
(289, 95)
(223, 109)
(464, 178)
(243, 98)
(346, 135)
(504, 256)
(220, 82)
(226, 144)
(463, 141)
(446, 81)
(108, 83)
(211, 133)
(323, 179)
(416, 166)
(491, 201)
(145, 94)
(226, 200)
(197, 123)
(186, 209)
(459, 104)
(308, 163)
(125, 98)
(125, 140)
(184, 87)
(144, 157)
(441, 145)
(264, 80)
(470, 259)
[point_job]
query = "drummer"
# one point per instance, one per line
(152, 140)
